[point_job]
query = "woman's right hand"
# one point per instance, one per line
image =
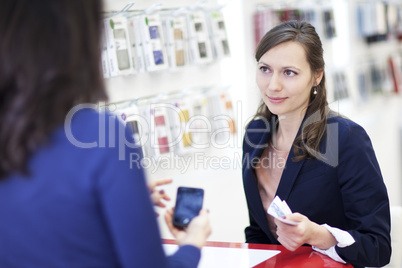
(196, 232)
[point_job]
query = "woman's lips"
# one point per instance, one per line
(276, 99)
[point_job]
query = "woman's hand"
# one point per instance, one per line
(196, 232)
(293, 236)
(306, 232)
(158, 195)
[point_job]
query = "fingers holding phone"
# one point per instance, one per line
(196, 233)
(188, 222)
(178, 234)
(199, 229)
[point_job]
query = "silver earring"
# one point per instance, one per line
(315, 91)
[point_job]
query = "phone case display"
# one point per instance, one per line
(199, 123)
(329, 23)
(394, 19)
(184, 118)
(379, 21)
(150, 124)
(161, 140)
(379, 76)
(119, 52)
(219, 35)
(176, 129)
(266, 17)
(395, 65)
(340, 86)
(362, 85)
(136, 44)
(179, 118)
(130, 116)
(135, 122)
(176, 43)
(179, 123)
(387, 76)
(313, 16)
(199, 40)
(104, 56)
(380, 80)
(219, 119)
(372, 21)
(264, 20)
(147, 41)
(229, 112)
(289, 14)
(134, 127)
(147, 130)
(153, 42)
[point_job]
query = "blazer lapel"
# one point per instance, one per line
(290, 172)
(289, 176)
(251, 187)
(285, 186)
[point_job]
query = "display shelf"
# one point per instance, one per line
(144, 84)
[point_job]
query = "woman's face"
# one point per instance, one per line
(285, 79)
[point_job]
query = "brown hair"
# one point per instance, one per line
(49, 61)
(308, 142)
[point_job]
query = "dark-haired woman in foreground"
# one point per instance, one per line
(69, 195)
(321, 164)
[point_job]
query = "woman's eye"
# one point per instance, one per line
(290, 73)
(264, 69)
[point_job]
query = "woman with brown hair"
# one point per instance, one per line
(69, 195)
(323, 165)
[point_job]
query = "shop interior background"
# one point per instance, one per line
(362, 47)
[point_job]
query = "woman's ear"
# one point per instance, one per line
(318, 77)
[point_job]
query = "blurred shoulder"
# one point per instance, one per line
(89, 113)
(346, 127)
(87, 123)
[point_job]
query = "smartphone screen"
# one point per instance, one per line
(188, 205)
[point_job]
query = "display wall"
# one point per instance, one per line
(353, 54)
(171, 98)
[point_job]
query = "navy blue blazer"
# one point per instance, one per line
(344, 189)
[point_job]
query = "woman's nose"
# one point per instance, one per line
(274, 82)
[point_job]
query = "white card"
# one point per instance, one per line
(278, 209)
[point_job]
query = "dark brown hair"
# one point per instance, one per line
(49, 61)
(308, 142)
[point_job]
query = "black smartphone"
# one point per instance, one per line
(188, 205)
